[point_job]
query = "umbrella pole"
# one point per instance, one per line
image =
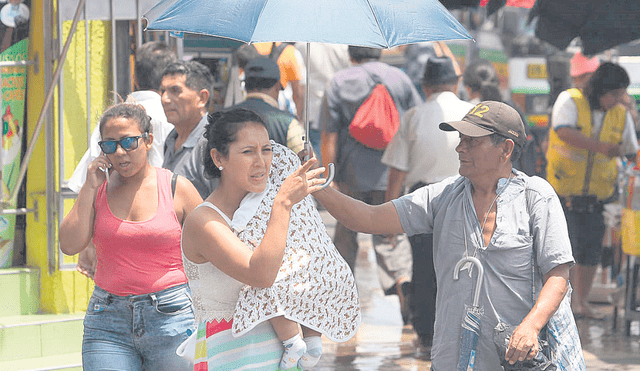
(307, 139)
(307, 127)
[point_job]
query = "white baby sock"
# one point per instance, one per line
(294, 348)
(314, 351)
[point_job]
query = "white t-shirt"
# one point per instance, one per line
(420, 148)
(565, 114)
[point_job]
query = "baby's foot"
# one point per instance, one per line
(314, 351)
(294, 348)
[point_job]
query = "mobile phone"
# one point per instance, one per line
(106, 172)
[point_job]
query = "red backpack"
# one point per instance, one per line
(376, 120)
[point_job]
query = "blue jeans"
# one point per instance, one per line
(137, 332)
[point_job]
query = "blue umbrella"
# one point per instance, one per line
(374, 23)
(471, 321)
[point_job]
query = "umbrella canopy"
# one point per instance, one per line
(375, 23)
(601, 24)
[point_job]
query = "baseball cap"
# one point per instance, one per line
(581, 64)
(439, 70)
(262, 68)
(490, 117)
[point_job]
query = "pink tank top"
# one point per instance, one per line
(137, 258)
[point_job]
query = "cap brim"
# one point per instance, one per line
(466, 128)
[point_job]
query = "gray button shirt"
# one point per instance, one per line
(175, 160)
(530, 236)
(180, 161)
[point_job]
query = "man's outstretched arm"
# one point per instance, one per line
(359, 216)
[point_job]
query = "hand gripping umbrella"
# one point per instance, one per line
(373, 23)
(471, 322)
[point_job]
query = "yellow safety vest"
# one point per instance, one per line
(575, 171)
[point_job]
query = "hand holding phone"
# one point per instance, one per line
(106, 172)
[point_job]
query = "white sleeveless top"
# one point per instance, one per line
(214, 293)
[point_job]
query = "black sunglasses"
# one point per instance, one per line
(127, 143)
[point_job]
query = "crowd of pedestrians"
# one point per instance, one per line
(202, 235)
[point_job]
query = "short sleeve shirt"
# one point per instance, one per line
(530, 239)
(176, 161)
(287, 61)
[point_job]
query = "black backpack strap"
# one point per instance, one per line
(276, 50)
(174, 178)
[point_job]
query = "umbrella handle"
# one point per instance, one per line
(478, 264)
(332, 167)
(332, 171)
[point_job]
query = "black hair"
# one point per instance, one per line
(609, 76)
(198, 76)
(363, 53)
(496, 139)
(489, 91)
(151, 60)
(259, 83)
(479, 73)
(129, 111)
(221, 131)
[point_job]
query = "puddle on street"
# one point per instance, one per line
(382, 342)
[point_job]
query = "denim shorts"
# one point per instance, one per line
(137, 332)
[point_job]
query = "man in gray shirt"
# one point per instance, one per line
(185, 89)
(512, 223)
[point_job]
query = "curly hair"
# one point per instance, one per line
(221, 131)
(129, 111)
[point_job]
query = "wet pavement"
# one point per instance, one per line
(383, 343)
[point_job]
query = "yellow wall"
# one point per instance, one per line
(66, 291)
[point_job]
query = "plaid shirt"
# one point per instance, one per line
(563, 338)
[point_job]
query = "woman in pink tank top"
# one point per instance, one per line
(141, 309)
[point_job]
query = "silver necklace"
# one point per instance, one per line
(464, 230)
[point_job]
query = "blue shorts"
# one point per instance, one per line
(586, 232)
(138, 332)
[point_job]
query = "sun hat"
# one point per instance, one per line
(439, 70)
